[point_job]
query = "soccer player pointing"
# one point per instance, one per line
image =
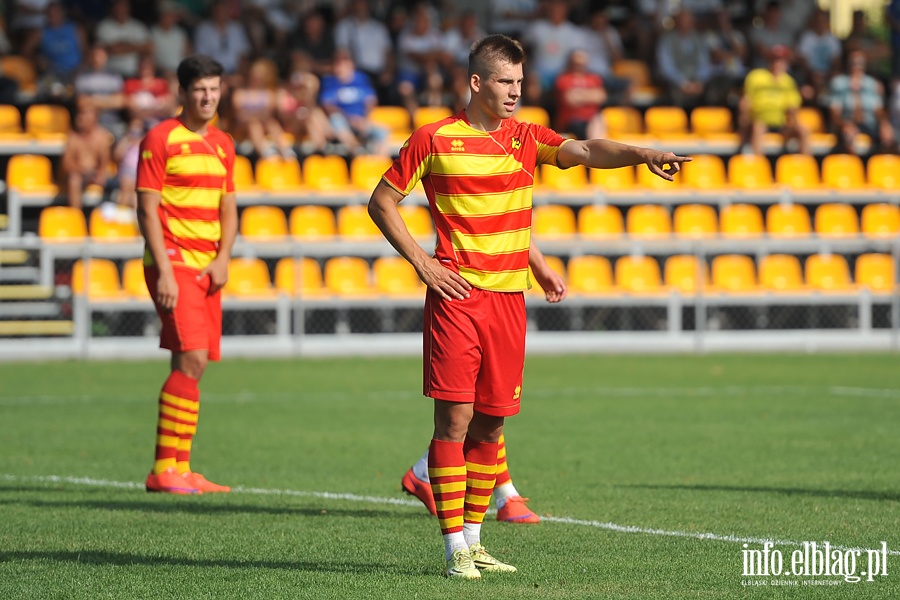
(477, 168)
(188, 217)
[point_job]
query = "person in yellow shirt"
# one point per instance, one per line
(770, 102)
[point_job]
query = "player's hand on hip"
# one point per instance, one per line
(218, 274)
(666, 164)
(166, 291)
(450, 285)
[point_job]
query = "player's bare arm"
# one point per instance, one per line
(607, 154)
(217, 269)
(151, 229)
(384, 212)
(550, 281)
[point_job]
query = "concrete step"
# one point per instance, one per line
(23, 328)
(9, 292)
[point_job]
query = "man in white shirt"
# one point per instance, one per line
(222, 38)
(124, 38)
(369, 44)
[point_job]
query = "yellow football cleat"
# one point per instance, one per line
(461, 565)
(487, 563)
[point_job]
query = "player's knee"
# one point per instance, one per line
(192, 364)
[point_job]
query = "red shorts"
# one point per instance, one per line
(196, 321)
(475, 350)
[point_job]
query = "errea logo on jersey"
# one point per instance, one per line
(457, 146)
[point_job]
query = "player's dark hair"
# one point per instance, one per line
(198, 66)
(489, 51)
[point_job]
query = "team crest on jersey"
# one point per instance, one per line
(516, 143)
(221, 152)
(457, 146)
(185, 148)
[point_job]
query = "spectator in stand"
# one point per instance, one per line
(857, 106)
(370, 45)
(604, 48)
(126, 155)
(268, 26)
(877, 51)
(892, 16)
(728, 53)
(552, 40)
(645, 26)
(818, 57)
(223, 39)
(579, 97)
(85, 159)
(124, 38)
(298, 110)
(347, 98)
(420, 50)
(255, 106)
(513, 17)
(458, 39)
(103, 90)
(683, 58)
(60, 46)
(28, 18)
(794, 15)
(171, 43)
(314, 37)
(770, 104)
(149, 97)
(770, 35)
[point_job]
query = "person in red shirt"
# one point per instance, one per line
(148, 97)
(477, 168)
(188, 217)
(579, 96)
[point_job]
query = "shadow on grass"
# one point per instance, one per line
(125, 559)
(786, 491)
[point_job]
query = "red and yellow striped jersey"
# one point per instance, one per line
(479, 187)
(191, 172)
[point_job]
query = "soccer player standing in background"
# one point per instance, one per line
(187, 213)
(477, 168)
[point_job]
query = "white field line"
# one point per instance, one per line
(715, 537)
(248, 396)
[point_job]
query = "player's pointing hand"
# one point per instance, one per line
(665, 164)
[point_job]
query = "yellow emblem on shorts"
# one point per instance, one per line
(518, 392)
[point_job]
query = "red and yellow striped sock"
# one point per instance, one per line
(178, 406)
(481, 471)
(447, 472)
(502, 467)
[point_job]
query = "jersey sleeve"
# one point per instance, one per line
(413, 163)
(151, 169)
(228, 161)
(548, 144)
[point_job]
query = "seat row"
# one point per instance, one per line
(350, 276)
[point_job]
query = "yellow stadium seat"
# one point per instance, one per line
(348, 276)
(734, 274)
(133, 282)
(62, 224)
(312, 222)
(532, 114)
(705, 172)
(600, 221)
(366, 171)
(695, 221)
(299, 277)
(666, 122)
(741, 221)
(354, 222)
(10, 124)
(638, 275)
(21, 69)
(574, 179)
(648, 221)
(884, 171)
(613, 180)
(424, 115)
(623, 121)
(836, 220)
(394, 276)
(103, 230)
(262, 223)
(31, 173)
(780, 273)
(102, 278)
(876, 272)
(553, 221)
(749, 172)
(243, 174)
(828, 273)
(326, 173)
(648, 180)
(713, 123)
(248, 277)
(47, 122)
(418, 220)
(881, 220)
(395, 119)
(843, 172)
(788, 220)
(797, 172)
(685, 273)
(590, 275)
(643, 92)
(556, 264)
(811, 118)
(278, 174)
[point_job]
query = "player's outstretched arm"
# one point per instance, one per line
(383, 210)
(550, 281)
(607, 154)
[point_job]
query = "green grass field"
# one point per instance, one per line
(743, 447)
